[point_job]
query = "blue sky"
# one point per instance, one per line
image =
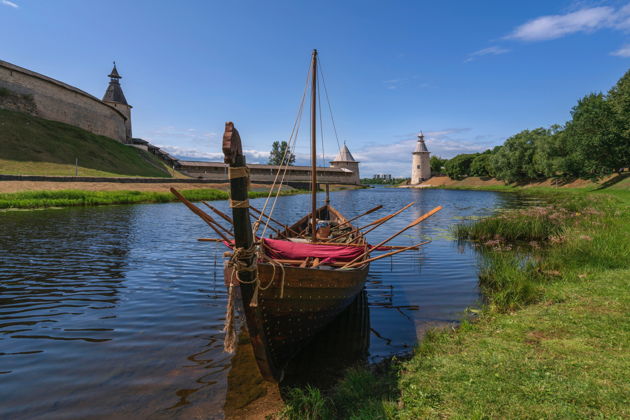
(469, 74)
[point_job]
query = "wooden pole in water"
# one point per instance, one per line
(409, 226)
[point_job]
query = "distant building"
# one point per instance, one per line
(343, 170)
(115, 97)
(344, 160)
(420, 162)
(24, 90)
(384, 177)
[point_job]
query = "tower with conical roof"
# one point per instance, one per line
(420, 162)
(344, 160)
(115, 97)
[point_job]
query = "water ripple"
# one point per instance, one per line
(118, 311)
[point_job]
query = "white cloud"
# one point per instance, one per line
(191, 154)
(393, 84)
(190, 136)
(253, 155)
(395, 158)
(584, 20)
(184, 153)
(10, 4)
(486, 51)
(622, 52)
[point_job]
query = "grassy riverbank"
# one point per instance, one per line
(34, 146)
(552, 340)
(612, 182)
(80, 198)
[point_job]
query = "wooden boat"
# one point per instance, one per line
(291, 285)
(280, 324)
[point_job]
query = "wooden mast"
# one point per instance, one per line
(314, 148)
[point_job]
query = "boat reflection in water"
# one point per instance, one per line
(341, 344)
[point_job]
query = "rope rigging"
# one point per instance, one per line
(321, 72)
(281, 172)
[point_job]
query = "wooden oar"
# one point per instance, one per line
(378, 222)
(217, 223)
(274, 220)
(402, 249)
(202, 214)
(409, 226)
(220, 213)
(361, 215)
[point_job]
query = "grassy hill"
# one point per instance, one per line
(33, 146)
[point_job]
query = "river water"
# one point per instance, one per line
(118, 311)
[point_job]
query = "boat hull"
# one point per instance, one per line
(280, 327)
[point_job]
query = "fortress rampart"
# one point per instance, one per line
(54, 100)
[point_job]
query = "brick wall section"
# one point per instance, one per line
(57, 101)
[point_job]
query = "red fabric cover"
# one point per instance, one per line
(287, 250)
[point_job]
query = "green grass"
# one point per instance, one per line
(74, 198)
(616, 182)
(551, 341)
(360, 395)
(34, 146)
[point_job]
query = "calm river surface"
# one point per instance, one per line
(118, 311)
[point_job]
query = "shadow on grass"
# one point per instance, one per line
(613, 181)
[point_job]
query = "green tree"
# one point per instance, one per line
(459, 166)
(278, 150)
(514, 161)
(596, 137)
(437, 165)
(551, 157)
(481, 164)
(619, 97)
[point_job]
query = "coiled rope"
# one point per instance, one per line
(238, 263)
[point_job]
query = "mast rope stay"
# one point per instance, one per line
(332, 119)
(284, 164)
(321, 122)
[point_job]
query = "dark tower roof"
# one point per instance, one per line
(420, 146)
(114, 92)
(114, 74)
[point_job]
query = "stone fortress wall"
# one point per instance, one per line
(33, 93)
(54, 100)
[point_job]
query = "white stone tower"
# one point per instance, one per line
(344, 160)
(421, 162)
(115, 97)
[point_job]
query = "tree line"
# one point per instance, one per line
(593, 144)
